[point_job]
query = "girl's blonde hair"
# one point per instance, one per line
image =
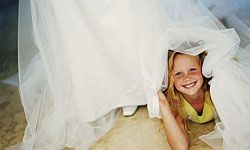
(173, 95)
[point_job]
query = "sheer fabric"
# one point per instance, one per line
(81, 60)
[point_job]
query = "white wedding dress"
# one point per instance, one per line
(81, 60)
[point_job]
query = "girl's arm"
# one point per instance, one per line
(174, 126)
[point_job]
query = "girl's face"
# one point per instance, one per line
(187, 74)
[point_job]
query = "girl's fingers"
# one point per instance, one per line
(163, 101)
(161, 95)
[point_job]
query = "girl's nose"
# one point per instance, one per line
(186, 77)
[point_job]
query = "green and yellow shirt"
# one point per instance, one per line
(207, 114)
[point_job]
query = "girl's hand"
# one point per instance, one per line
(164, 105)
(161, 95)
(163, 100)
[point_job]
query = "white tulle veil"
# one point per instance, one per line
(81, 60)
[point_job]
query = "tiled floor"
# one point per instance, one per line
(136, 132)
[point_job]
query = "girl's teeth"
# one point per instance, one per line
(189, 85)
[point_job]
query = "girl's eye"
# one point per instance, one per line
(193, 69)
(178, 74)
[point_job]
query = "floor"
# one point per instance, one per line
(135, 132)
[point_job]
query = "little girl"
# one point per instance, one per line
(187, 98)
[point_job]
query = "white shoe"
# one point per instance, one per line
(129, 110)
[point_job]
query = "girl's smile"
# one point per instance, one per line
(190, 85)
